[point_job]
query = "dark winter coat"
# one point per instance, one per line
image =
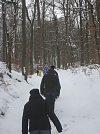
(52, 71)
(37, 111)
(50, 84)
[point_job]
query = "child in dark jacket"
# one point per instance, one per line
(36, 114)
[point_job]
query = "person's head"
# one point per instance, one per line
(51, 71)
(52, 67)
(34, 92)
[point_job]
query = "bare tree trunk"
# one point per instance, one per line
(39, 34)
(9, 53)
(93, 34)
(31, 42)
(54, 49)
(98, 13)
(87, 34)
(65, 11)
(43, 33)
(4, 29)
(81, 34)
(98, 17)
(24, 67)
(57, 43)
(11, 37)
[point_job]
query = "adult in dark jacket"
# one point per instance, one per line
(50, 87)
(36, 114)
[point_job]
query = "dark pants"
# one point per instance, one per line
(41, 132)
(50, 98)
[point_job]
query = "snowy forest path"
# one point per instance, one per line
(73, 107)
(76, 112)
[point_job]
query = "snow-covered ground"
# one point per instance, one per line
(78, 107)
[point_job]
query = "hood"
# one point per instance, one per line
(34, 93)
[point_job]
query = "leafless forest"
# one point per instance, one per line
(59, 32)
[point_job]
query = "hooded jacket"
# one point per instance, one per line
(37, 112)
(50, 83)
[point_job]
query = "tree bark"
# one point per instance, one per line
(24, 67)
(39, 34)
(81, 34)
(4, 29)
(92, 32)
(31, 41)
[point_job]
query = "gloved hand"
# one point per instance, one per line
(60, 131)
(57, 97)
